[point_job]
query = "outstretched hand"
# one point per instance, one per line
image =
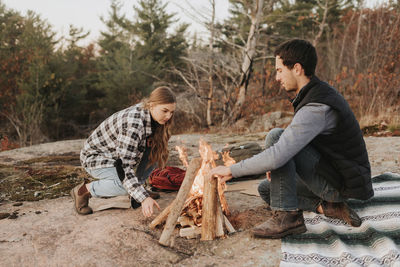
(222, 172)
(147, 206)
(268, 175)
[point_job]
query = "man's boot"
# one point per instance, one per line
(280, 224)
(81, 196)
(341, 211)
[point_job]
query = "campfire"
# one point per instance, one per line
(200, 206)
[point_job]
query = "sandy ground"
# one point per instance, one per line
(49, 232)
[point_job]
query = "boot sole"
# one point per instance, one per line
(293, 231)
(73, 197)
(352, 221)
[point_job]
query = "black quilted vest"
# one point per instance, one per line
(344, 158)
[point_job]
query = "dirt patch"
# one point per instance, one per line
(247, 219)
(48, 232)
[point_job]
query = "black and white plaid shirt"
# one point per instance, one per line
(121, 136)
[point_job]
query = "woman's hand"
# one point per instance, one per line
(147, 206)
(223, 172)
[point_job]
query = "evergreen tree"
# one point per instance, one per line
(137, 53)
(28, 82)
(76, 98)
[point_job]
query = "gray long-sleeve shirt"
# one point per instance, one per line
(311, 120)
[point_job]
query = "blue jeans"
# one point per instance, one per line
(109, 184)
(296, 185)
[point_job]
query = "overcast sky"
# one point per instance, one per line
(86, 13)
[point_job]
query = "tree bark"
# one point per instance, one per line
(323, 22)
(357, 41)
(248, 57)
(210, 65)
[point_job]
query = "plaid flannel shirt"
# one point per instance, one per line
(121, 136)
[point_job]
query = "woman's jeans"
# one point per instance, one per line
(110, 185)
(296, 185)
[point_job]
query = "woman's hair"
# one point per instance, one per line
(158, 140)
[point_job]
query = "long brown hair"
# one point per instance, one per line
(158, 140)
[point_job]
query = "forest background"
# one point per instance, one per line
(54, 89)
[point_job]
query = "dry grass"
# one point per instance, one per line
(40, 178)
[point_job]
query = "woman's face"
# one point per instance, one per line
(162, 113)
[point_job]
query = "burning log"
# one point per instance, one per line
(179, 202)
(224, 204)
(203, 208)
(210, 201)
(185, 221)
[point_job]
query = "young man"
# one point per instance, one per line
(318, 161)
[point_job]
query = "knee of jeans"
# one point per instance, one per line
(118, 184)
(263, 187)
(273, 136)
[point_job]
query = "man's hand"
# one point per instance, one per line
(223, 172)
(147, 206)
(268, 174)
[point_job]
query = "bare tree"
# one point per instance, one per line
(211, 63)
(248, 56)
(361, 5)
(322, 24)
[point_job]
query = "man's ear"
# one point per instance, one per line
(298, 69)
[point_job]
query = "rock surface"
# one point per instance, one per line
(50, 233)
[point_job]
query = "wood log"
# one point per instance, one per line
(222, 199)
(179, 202)
(185, 221)
(229, 226)
(162, 216)
(210, 201)
(190, 232)
(219, 222)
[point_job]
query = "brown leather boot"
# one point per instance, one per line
(341, 211)
(81, 198)
(280, 224)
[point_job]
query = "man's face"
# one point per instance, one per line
(285, 76)
(163, 112)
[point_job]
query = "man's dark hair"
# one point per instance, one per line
(298, 51)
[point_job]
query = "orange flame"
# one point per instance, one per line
(228, 160)
(182, 155)
(207, 157)
(193, 205)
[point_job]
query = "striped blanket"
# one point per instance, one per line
(331, 242)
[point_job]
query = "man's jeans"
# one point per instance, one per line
(110, 185)
(296, 185)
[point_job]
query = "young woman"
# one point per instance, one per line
(133, 138)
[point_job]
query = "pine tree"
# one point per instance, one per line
(137, 53)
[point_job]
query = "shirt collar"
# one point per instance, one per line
(146, 120)
(303, 91)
